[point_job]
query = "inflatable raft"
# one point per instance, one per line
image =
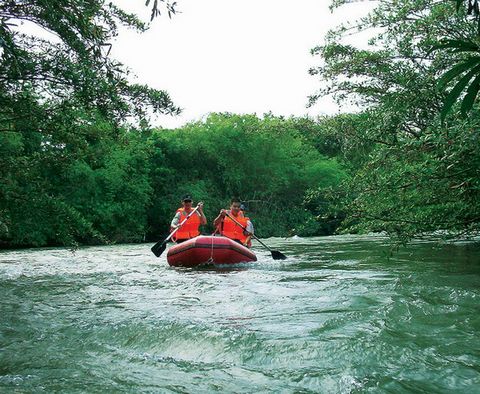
(206, 249)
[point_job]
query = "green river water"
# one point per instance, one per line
(340, 315)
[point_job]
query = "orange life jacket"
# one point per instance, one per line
(190, 227)
(232, 230)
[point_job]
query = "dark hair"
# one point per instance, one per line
(234, 200)
(187, 197)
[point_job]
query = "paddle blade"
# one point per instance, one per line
(278, 255)
(159, 248)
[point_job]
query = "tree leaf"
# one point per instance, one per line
(457, 90)
(469, 99)
(463, 45)
(459, 4)
(457, 70)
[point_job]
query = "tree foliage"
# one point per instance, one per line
(67, 63)
(61, 96)
(411, 174)
(72, 171)
(464, 76)
(267, 163)
(110, 184)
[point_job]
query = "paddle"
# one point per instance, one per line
(276, 255)
(160, 246)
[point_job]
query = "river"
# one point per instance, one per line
(340, 315)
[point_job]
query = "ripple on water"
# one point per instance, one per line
(341, 314)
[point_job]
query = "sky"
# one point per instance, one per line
(239, 56)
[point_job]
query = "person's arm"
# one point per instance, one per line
(175, 221)
(249, 227)
(203, 218)
(248, 233)
(219, 219)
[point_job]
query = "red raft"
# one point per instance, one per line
(206, 249)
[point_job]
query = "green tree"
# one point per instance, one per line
(60, 94)
(466, 72)
(268, 163)
(413, 175)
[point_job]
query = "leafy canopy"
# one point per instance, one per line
(410, 173)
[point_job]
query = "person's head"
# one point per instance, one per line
(187, 201)
(235, 205)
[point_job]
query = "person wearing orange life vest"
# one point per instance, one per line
(228, 228)
(190, 228)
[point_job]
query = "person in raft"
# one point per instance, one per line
(228, 228)
(190, 227)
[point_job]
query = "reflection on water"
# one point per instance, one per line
(341, 314)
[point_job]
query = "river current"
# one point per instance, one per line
(341, 315)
